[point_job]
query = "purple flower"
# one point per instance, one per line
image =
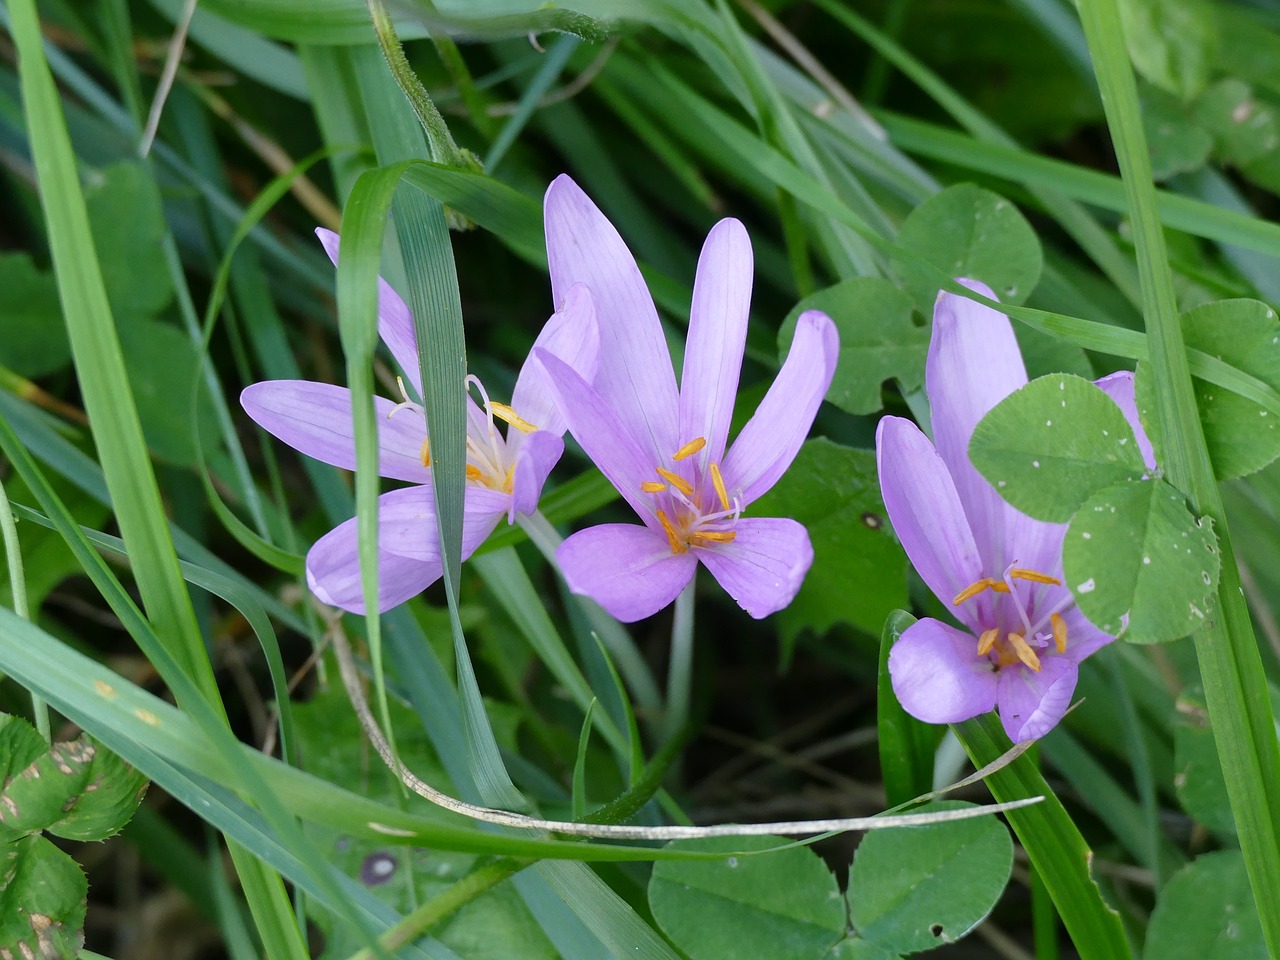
(664, 447)
(998, 569)
(505, 474)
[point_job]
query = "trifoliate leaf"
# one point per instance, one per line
(966, 231)
(1051, 444)
(1134, 552)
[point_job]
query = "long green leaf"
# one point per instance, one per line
(1230, 664)
(1053, 843)
(100, 362)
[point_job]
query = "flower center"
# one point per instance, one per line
(688, 525)
(1014, 646)
(489, 463)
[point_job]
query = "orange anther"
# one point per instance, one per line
(987, 641)
(653, 486)
(1059, 632)
(677, 481)
(1034, 576)
(1024, 651)
(690, 448)
(717, 481)
(677, 545)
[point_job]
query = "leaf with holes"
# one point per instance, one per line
(966, 231)
(1050, 445)
(1135, 552)
(912, 889)
(878, 340)
(780, 904)
(42, 901)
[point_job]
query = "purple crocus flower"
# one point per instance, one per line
(505, 474)
(998, 569)
(663, 446)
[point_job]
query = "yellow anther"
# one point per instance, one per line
(718, 482)
(677, 545)
(1034, 576)
(507, 415)
(1059, 632)
(677, 481)
(690, 448)
(707, 537)
(980, 586)
(653, 486)
(1024, 651)
(474, 472)
(987, 641)
(424, 454)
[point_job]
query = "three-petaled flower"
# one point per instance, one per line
(505, 474)
(663, 446)
(998, 569)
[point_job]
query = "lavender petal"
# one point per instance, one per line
(772, 437)
(717, 338)
(1031, 702)
(627, 569)
(635, 375)
(315, 419)
(937, 674)
(764, 567)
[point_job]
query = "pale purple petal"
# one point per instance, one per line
(937, 674)
(635, 375)
(924, 508)
(539, 453)
(395, 322)
(772, 437)
(974, 363)
(407, 520)
(1032, 703)
(1119, 387)
(765, 564)
(627, 569)
(717, 338)
(1083, 638)
(601, 434)
(315, 419)
(571, 334)
(333, 572)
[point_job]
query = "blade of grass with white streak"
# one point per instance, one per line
(1230, 665)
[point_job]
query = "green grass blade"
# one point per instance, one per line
(100, 363)
(1230, 664)
(1052, 841)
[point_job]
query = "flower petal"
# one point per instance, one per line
(407, 520)
(772, 437)
(539, 453)
(571, 334)
(333, 572)
(926, 513)
(635, 374)
(627, 569)
(1119, 387)
(601, 433)
(1032, 703)
(717, 338)
(315, 419)
(937, 674)
(765, 564)
(974, 363)
(395, 322)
